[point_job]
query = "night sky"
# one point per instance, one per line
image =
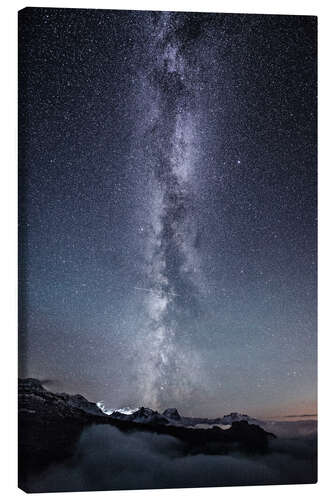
(167, 221)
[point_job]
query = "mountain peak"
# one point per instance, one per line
(172, 413)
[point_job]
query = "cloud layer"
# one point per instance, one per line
(107, 459)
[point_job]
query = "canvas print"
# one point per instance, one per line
(167, 249)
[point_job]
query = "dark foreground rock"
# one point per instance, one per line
(50, 425)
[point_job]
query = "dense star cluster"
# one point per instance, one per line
(168, 208)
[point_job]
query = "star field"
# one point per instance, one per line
(168, 208)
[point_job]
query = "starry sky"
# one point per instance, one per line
(168, 204)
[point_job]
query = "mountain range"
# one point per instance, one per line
(50, 426)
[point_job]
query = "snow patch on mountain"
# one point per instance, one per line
(109, 411)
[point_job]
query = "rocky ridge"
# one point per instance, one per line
(50, 424)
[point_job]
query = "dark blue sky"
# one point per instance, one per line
(174, 153)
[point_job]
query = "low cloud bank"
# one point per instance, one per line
(292, 429)
(108, 459)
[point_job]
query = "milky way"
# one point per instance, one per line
(168, 208)
(170, 254)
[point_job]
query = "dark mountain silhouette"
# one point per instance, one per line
(50, 425)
